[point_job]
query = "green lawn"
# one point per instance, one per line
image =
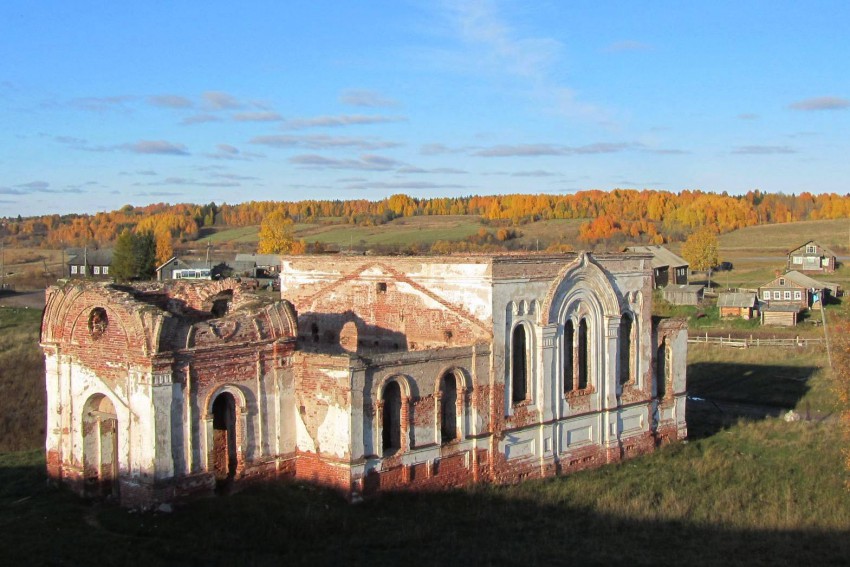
(22, 395)
(758, 493)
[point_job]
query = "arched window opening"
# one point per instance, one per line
(569, 358)
(224, 436)
(519, 365)
(625, 349)
(100, 446)
(661, 369)
(221, 303)
(448, 408)
(582, 354)
(98, 322)
(392, 418)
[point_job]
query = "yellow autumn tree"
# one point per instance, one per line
(276, 235)
(164, 247)
(700, 250)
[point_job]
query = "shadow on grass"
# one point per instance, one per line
(287, 523)
(721, 393)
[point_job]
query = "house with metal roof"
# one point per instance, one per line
(811, 257)
(667, 267)
(88, 263)
(737, 304)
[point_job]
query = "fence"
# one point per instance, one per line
(744, 342)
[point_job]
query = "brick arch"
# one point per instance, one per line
(198, 294)
(583, 277)
(461, 374)
(232, 389)
(210, 290)
(403, 383)
(69, 308)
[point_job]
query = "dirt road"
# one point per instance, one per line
(31, 299)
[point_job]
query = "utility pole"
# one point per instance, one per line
(822, 296)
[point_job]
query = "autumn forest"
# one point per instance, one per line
(610, 217)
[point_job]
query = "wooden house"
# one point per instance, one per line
(667, 267)
(257, 265)
(738, 304)
(684, 294)
(85, 263)
(179, 269)
(811, 291)
(786, 290)
(779, 315)
(811, 257)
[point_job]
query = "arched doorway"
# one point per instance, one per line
(100, 446)
(224, 438)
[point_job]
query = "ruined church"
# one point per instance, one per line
(368, 374)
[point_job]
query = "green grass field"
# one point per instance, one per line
(787, 236)
(400, 232)
(404, 232)
(758, 493)
(22, 395)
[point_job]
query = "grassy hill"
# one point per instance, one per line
(781, 238)
(404, 232)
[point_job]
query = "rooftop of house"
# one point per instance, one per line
(826, 250)
(92, 257)
(736, 299)
(661, 256)
(802, 280)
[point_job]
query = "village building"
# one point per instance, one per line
(88, 263)
(372, 373)
(667, 268)
(782, 299)
(182, 269)
(257, 265)
(684, 294)
(737, 304)
(811, 257)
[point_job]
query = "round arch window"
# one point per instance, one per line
(98, 322)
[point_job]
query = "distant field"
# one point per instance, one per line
(237, 235)
(411, 230)
(401, 231)
(560, 230)
(757, 252)
(783, 237)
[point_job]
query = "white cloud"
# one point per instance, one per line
(340, 120)
(363, 97)
(821, 103)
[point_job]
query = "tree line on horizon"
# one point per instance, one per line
(621, 214)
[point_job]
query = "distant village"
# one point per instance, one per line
(796, 288)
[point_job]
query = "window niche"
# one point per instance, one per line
(661, 369)
(391, 421)
(569, 357)
(519, 364)
(448, 408)
(98, 322)
(583, 346)
(626, 325)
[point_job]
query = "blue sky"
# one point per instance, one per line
(109, 103)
